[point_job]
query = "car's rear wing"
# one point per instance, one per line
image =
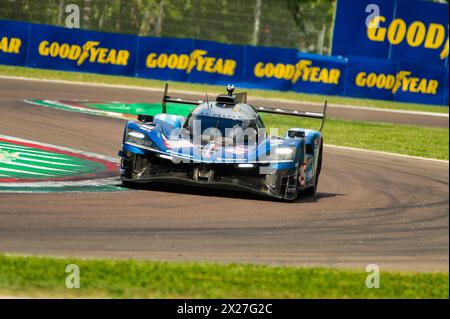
(167, 98)
(322, 116)
(242, 98)
(238, 97)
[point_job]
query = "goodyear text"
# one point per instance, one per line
(196, 60)
(89, 52)
(10, 45)
(303, 69)
(402, 80)
(415, 34)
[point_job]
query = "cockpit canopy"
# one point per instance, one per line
(224, 121)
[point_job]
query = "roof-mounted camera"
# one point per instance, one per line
(230, 89)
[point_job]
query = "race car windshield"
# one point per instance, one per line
(225, 130)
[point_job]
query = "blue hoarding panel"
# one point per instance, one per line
(77, 50)
(13, 42)
(216, 62)
(409, 30)
(288, 69)
(319, 74)
(163, 59)
(189, 60)
(370, 78)
(420, 83)
(425, 35)
(209, 62)
(270, 67)
(350, 36)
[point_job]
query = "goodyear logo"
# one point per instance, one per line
(402, 80)
(90, 52)
(10, 45)
(303, 69)
(416, 34)
(197, 60)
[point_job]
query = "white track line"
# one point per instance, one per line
(5, 169)
(152, 89)
(91, 182)
(81, 110)
(103, 157)
(48, 162)
(372, 109)
(385, 153)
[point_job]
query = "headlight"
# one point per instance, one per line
(283, 154)
(135, 134)
(139, 138)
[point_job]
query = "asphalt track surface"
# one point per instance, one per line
(370, 209)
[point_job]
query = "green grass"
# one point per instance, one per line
(401, 139)
(96, 78)
(33, 276)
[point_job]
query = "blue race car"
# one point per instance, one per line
(222, 143)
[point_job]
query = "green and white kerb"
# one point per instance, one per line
(27, 166)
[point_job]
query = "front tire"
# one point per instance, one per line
(128, 184)
(134, 167)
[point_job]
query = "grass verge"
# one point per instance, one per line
(201, 88)
(35, 276)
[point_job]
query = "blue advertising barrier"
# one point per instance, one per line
(407, 30)
(77, 50)
(288, 69)
(187, 60)
(264, 68)
(153, 61)
(14, 42)
(395, 80)
(420, 83)
(370, 78)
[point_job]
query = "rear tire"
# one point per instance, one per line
(311, 191)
